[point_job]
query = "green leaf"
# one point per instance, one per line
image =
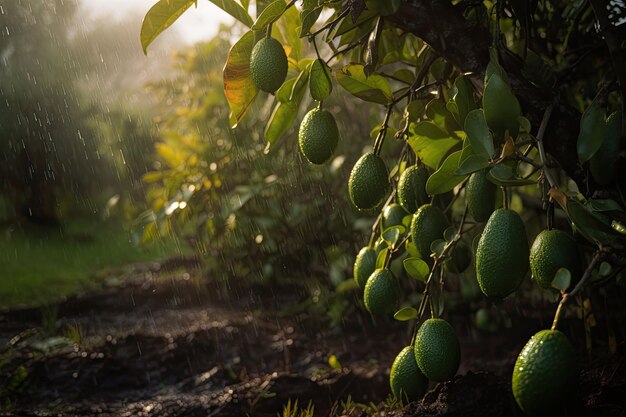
(472, 164)
(347, 285)
(405, 75)
(235, 10)
(601, 205)
(494, 67)
(416, 268)
(605, 269)
(438, 113)
(283, 94)
(595, 227)
(239, 88)
(501, 108)
(445, 178)
(464, 97)
(373, 88)
(591, 134)
(562, 279)
(285, 113)
(405, 314)
(381, 258)
(320, 83)
(504, 176)
(430, 143)
(437, 246)
(411, 249)
(297, 92)
(281, 120)
(450, 233)
(524, 124)
(161, 16)
(478, 134)
(270, 14)
(308, 18)
(392, 234)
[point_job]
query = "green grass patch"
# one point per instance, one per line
(38, 267)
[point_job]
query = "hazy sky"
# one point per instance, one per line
(196, 24)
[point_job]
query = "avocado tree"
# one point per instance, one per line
(501, 110)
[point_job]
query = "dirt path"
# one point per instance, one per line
(178, 348)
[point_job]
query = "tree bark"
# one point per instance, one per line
(465, 44)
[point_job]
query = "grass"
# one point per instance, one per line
(38, 267)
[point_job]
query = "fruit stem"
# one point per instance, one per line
(268, 31)
(505, 198)
(598, 256)
(382, 133)
(380, 216)
(550, 215)
(426, 298)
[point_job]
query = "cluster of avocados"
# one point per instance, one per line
(318, 135)
(545, 373)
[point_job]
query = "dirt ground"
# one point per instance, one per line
(176, 347)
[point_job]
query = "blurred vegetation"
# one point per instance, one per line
(41, 268)
(74, 128)
(258, 214)
(77, 134)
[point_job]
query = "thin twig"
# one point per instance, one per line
(599, 255)
(438, 261)
(542, 152)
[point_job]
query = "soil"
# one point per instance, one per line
(146, 346)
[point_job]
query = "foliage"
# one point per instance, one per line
(217, 188)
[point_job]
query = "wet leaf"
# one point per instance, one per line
(270, 14)
(437, 246)
(591, 134)
(430, 143)
(281, 120)
(392, 234)
(464, 97)
(594, 227)
(472, 164)
(411, 249)
(503, 175)
(235, 10)
(373, 88)
(309, 17)
(382, 258)
(450, 233)
(445, 178)
(347, 285)
(320, 82)
(478, 134)
(605, 269)
(161, 16)
(239, 89)
(405, 314)
(562, 279)
(416, 268)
